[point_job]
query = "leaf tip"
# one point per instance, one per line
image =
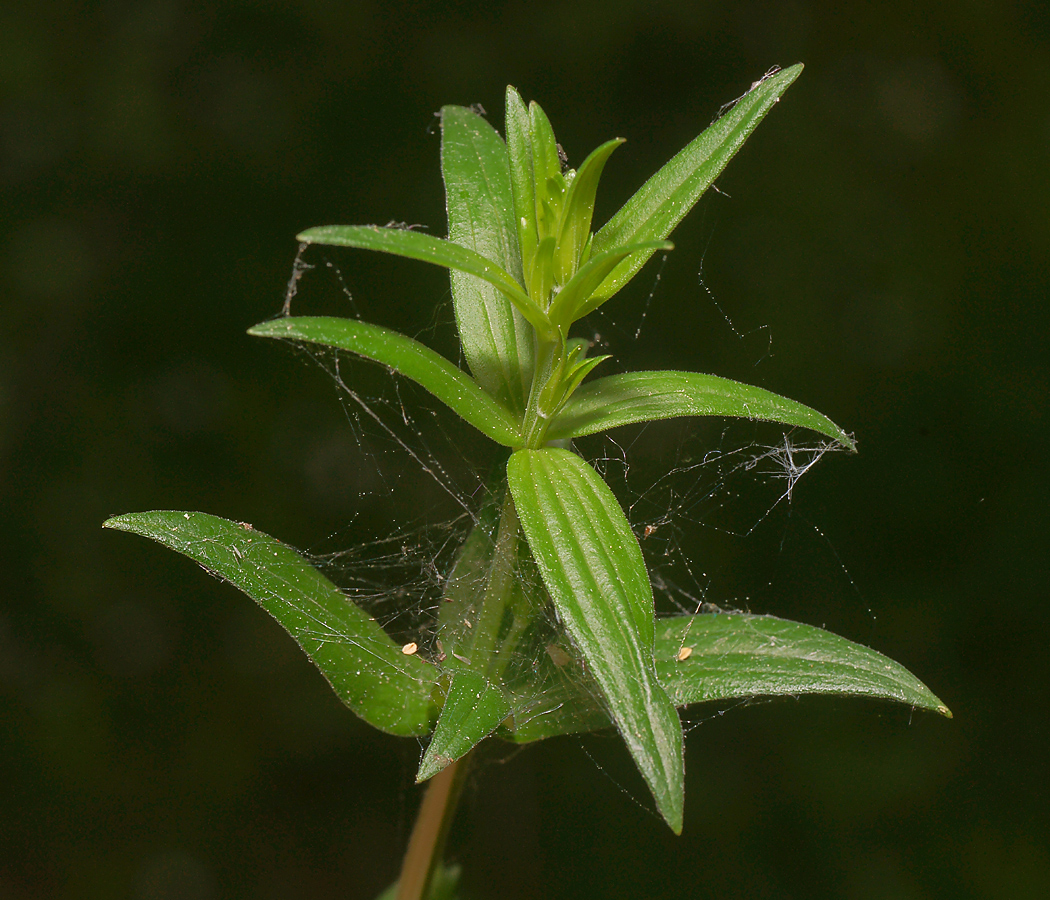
(431, 764)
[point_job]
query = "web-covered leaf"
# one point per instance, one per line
(410, 358)
(592, 567)
(367, 670)
(648, 396)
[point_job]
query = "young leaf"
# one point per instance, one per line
(579, 209)
(367, 670)
(592, 566)
(522, 179)
(660, 204)
(427, 248)
(648, 396)
(414, 360)
(497, 341)
(723, 656)
(473, 709)
(578, 298)
(546, 166)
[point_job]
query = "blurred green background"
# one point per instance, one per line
(882, 253)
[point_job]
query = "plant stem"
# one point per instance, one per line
(499, 587)
(426, 846)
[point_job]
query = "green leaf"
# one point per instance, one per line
(592, 566)
(427, 248)
(497, 340)
(523, 186)
(579, 209)
(578, 298)
(661, 203)
(648, 396)
(546, 166)
(451, 385)
(367, 670)
(473, 709)
(736, 655)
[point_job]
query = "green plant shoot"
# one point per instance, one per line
(551, 572)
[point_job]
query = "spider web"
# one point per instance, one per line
(705, 498)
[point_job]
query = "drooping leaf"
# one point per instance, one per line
(661, 203)
(451, 385)
(473, 709)
(648, 396)
(497, 341)
(427, 248)
(592, 567)
(724, 656)
(367, 670)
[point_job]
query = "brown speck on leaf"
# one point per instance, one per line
(684, 653)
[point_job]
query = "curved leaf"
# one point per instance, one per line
(367, 670)
(737, 655)
(427, 248)
(661, 203)
(497, 340)
(451, 385)
(648, 396)
(592, 566)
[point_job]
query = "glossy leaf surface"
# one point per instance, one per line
(473, 709)
(660, 204)
(497, 341)
(368, 671)
(592, 567)
(734, 655)
(451, 385)
(648, 396)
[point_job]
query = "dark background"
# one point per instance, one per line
(887, 224)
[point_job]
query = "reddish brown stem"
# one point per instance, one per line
(427, 843)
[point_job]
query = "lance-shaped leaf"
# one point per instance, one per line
(522, 180)
(723, 656)
(737, 656)
(660, 204)
(497, 340)
(473, 709)
(648, 396)
(427, 248)
(368, 671)
(592, 567)
(578, 298)
(579, 209)
(414, 360)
